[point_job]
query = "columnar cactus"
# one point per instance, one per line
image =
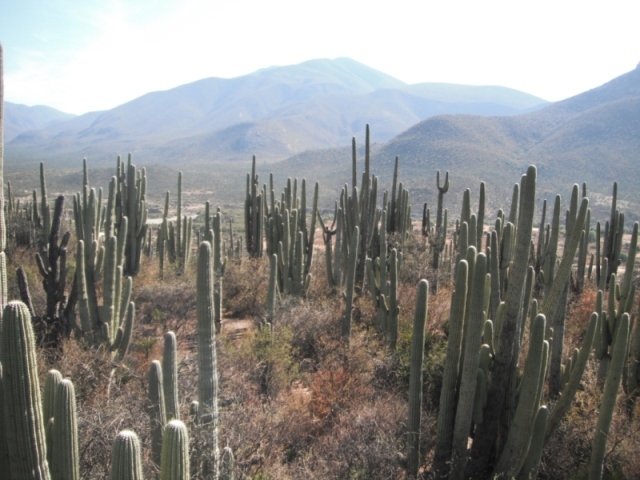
(609, 395)
(440, 228)
(207, 369)
(253, 213)
(447, 410)
(272, 291)
(130, 202)
(157, 413)
(415, 380)
(126, 463)
(509, 335)
(24, 421)
(219, 266)
(351, 277)
(175, 452)
(50, 385)
(170, 377)
(474, 325)
(227, 465)
(65, 457)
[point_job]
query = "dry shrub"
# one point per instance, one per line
(245, 287)
(170, 304)
(109, 398)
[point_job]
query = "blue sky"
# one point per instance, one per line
(79, 56)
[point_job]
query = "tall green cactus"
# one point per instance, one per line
(447, 410)
(253, 213)
(50, 385)
(157, 413)
(474, 325)
(175, 452)
(131, 203)
(65, 456)
(102, 261)
(415, 380)
(170, 377)
(609, 395)
(351, 278)
(440, 228)
(126, 462)
(207, 363)
(21, 389)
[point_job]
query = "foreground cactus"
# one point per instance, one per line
(126, 463)
(175, 452)
(65, 457)
(170, 377)
(609, 396)
(415, 380)
(157, 413)
(21, 389)
(207, 369)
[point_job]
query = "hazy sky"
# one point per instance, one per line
(79, 56)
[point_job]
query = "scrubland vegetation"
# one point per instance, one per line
(315, 371)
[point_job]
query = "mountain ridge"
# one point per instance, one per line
(316, 104)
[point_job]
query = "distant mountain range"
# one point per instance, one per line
(21, 118)
(274, 113)
(593, 137)
(307, 114)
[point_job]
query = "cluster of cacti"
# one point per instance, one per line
(288, 234)
(382, 279)
(479, 389)
(399, 218)
(254, 213)
(52, 265)
(355, 209)
(130, 202)
(213, 235)
(100, 259)
(174, 241)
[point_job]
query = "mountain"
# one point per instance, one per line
(593, 137)
(21, 118)
(274, 113)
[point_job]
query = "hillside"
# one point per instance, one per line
(21, 118)
(593, 137)
(275, 112)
